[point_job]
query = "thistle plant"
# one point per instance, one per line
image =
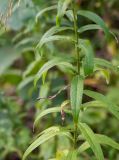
(80, 66)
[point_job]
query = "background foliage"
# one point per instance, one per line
(20, 31)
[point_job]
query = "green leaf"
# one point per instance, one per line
(50, 64)
(105, 64)
(69, 15)
(45, 10)
(92, 104)
(113, 108)
(49, 35)
(54, 30)
(48, 111)
(72, 155)
(45, 136)
(25, 82)
(106, 74)
(95, 18)
(76, 93)
(62, 7)
(88, 27)
(103, 140)
(83, 147)
(88, 62)
(33, 67)
(92, 140)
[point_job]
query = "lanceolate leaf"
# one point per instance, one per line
(54, 38)
(69, 15)
(55, 30)
(50, 64)
(25, 82)
(45, 10)
(92, 140)
(92, 104)
(106, 74)
(48, 36)
(48, 111)
(76, 95)
(88, 62)
(46, 135)
(103, 140)
(95, 18)
(88, 27)
(105, 64)
(33, 67)
(114, 109)
(83, 147)
(62, 7)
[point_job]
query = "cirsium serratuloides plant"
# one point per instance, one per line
(80, 66)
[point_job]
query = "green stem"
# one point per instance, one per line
(78, 59)
(76, 36)
(75, 136)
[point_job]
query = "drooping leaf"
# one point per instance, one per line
(113, 108)
(95, 18)
(25, 82)
(62, 7)
(45, 10)
(83, 147)
(54, 30)
(103, 140)
(69, 15)
(32, 68)
(50, 64)
(27, 41)
(76, 93)
(88, 62)
(45, 136)
(88, 27)
(91, 138)
(106, 74)
(48, 111)
(92, 104)
(105, 64)
(49, 36)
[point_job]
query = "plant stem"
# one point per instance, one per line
(75, 136)
(78, 59)
(76, 36)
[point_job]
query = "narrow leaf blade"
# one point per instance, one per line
(76, 93)
(92, 140)
(95, 18)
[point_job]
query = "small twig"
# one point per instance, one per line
(55, 95)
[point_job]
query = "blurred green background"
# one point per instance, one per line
(19, 62)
